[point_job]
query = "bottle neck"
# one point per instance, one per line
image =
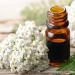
(57, 16)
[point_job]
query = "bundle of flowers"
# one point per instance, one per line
(25, 50)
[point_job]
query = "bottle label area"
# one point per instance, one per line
(58, 51)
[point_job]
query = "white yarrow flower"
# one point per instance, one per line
(25, 50)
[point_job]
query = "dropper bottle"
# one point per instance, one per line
(58, 36)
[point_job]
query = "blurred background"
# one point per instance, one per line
(14, 12)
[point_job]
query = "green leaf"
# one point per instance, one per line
(70, 66)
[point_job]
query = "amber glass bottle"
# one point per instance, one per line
(57, 36)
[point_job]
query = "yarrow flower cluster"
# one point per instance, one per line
(6, 48)
(25, 50)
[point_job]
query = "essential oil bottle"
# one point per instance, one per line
(57, 36)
